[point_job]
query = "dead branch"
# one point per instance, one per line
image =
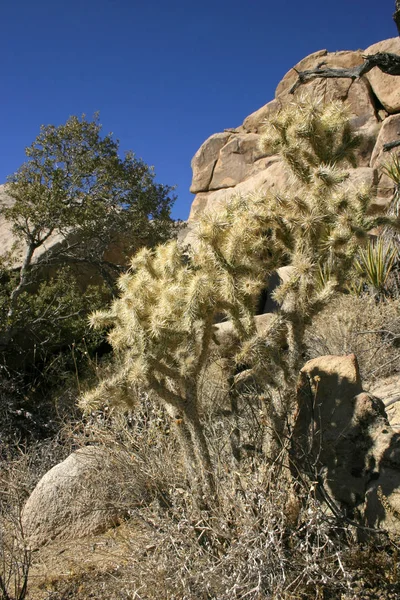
(387, 62)
(390, 145)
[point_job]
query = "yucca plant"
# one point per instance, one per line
(391, 168)
(374, 264)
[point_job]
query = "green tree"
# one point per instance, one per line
(78, 206)
(161, 326)
(77, 190)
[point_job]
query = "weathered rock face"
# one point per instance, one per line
(388, 390)
(343, 437)
(272, 175)
(342, 60)
(203, 162)
(76, 498)
(230, 163)
(385, 87)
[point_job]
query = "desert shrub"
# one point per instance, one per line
(263, 537)
(391, 168)
(46, 356)
(94, 208)
(362, 326)
(19, 473)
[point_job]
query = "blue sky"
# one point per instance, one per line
(164, 74)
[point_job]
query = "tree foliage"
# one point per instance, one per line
(75, 184)
(79, 210)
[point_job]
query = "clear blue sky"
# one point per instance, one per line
(164, 74)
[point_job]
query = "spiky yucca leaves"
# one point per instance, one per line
(375, 263)
(391, 168)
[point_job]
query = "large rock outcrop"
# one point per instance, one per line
(386, 87)
(342, 437)
(230, 163)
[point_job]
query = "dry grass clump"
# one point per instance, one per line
(359, 325)
(19, 473)
(257, 543)
(258, 538)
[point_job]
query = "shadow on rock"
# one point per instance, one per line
(342, 438)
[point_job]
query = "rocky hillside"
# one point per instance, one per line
(231, 163)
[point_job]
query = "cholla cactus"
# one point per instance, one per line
(162, 324)
(160, 332)
(321, 219)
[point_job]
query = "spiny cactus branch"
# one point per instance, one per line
(161, 390)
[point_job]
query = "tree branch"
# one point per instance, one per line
(387, 62)
(23, 278)
(391, 145)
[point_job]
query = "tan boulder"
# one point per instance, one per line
(273, 175)
(332, 429)
(388, 390)
(187, 236)
(362, 176)
(360, 102)
(343, 437)
(199, 206)
(382, 498)
(378, 207)
(385, 87)
(204, 161)
(389, 132)
(77, 497)
(238, 160)
(255, 122)
(309, 62)
(369, 134)
(227, 338)
(382, 506)
(331, 88)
